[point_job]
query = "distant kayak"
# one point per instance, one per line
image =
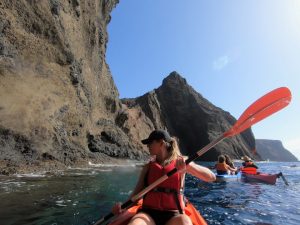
(246, 177)
(261, 177)
(190, 211)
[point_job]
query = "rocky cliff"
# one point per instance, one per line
(273, 150)
(177, 107)
(59, 105)
(58, 99)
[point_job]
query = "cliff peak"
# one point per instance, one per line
(174, 78)
(186, 114)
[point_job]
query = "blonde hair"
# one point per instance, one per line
(173, 150)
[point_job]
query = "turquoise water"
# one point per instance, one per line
(81, 196)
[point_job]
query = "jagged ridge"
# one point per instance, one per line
(176, 106)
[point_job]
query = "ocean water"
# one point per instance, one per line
(81, 196)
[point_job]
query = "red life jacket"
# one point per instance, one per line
(249, 170)
(167, 195)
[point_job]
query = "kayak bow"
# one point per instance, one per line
(190, 211)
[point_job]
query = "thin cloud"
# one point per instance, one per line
(221, 62)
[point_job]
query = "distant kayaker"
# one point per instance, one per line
(230, 163)
(165, 203)
(248, 162)
(248, 166)
(222, 168)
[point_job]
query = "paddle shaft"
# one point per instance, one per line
(283, 178)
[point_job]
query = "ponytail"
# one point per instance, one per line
(173, 149)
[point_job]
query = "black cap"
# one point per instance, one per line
(157, 135)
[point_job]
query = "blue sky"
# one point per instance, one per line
(231, 52)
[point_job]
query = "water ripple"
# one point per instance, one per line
(81, 196)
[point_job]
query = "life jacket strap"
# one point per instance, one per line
(168, 190)
(173, 191)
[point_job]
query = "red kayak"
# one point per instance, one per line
(125, 217)
(261, 177)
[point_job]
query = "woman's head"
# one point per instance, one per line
(228, 159)
(246, 158)
(221, 159)
(157, 135)
(160, 140)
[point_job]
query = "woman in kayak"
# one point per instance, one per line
(222, 168)
(165, 203)
(248, 166)
(229, 162)
(248, 162)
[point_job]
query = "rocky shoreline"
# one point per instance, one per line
(55, 168)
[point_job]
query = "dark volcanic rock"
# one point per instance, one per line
(273, 150)
(112, 141)
(16, 147)
(176, 106)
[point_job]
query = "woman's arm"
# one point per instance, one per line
(230, 168)
(201, 172)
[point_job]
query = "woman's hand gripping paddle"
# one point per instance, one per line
(260, 109)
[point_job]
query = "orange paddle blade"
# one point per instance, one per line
(260, 109)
